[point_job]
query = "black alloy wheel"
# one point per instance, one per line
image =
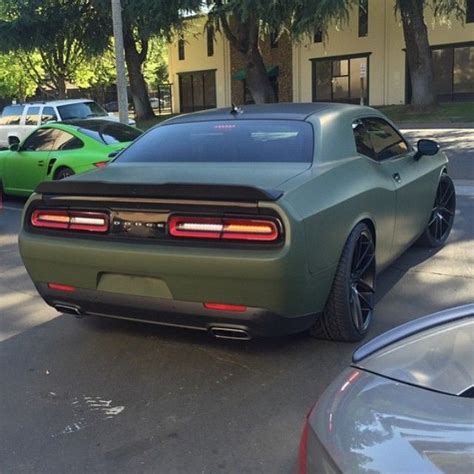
(362, 282)
(442, 214)
(63, 173)
(349, 307)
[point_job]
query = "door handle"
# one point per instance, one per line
(397, 178)
(41, 163)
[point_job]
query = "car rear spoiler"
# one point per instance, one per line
(211, 192)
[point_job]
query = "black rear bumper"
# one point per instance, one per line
(254, 322)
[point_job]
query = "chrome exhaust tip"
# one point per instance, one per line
(69, 309)
(230, 333)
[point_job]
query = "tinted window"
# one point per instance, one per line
(40, 140)
(362, 140)
(225, 141)
(66, 141)
(110, 133)
(11, 115)
(48, 115)
(32, 116)
(81, 110)
(386, 141)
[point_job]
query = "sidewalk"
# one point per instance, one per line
(434, 125)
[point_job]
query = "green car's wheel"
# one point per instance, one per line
(62, 173)
(442, 215)
(349, 307)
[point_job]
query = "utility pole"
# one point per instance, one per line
(120, 61)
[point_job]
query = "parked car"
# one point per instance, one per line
(404, 406)
(58, 150)
(19, 120)
(266, 220)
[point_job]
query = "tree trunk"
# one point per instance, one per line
(138, 88)
(61, 87)
(418, 52)
(246, 42)
(257, 79)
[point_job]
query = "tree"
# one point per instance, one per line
(15, 82)
(419, 58)
(64, 33)
(144, 20)
(244, 21)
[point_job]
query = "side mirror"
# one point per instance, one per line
(426, 148)
(15, 147)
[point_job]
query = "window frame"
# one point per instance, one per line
(181, 49)
(363, 19)
(27, 115)
(194, 84)
(35, 132)
(363, 119)
(469, 11)
(349, 57)
(211, 34)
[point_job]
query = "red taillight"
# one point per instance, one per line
(223, 228)
(101, 164)
(303, 448)
(71, 220)
(61, 287)
(225, 307)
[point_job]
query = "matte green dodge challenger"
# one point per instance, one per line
(265, 220)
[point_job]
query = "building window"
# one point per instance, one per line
(197, 91)
(318, 36)
(469, 11)
(210, 40)
(341, 79)
(363, 18)
(274, 39)
(181, 54)
(453, 72)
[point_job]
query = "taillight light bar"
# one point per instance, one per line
(223, 228)
(71, 220)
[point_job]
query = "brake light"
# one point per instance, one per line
(223, 228)
(101, 164)
(71, 220)
(225, 307)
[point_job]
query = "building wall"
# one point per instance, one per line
(281, 56)
(385, 43)
(196, 59)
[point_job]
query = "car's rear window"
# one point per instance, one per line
(110, 133)
(256, 141)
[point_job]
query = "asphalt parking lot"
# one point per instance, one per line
(92, 395)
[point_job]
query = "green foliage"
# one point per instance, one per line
(64, 33)
(14, 81)
(296, 17)
(155, 68)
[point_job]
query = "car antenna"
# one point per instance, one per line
(236, 110)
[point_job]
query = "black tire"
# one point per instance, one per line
(63, 173)
(441, 218)
(348, 311)
(2, 195)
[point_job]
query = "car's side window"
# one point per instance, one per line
(362, 139)
(32, 115)
(48, 115)
(386, 141)
(66, 141)
(40, 140)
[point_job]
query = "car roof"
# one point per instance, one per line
(282, 111)
(57, 103)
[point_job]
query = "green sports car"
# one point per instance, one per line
(57, 150)
(264, 220)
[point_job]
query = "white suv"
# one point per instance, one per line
(19, 120)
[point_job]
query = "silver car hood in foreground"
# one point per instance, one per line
(366, 423)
